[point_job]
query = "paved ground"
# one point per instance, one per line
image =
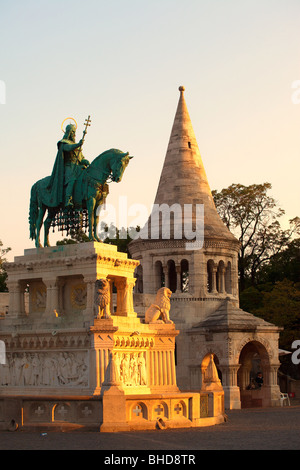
(248, 429)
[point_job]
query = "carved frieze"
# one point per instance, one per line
(45, 369)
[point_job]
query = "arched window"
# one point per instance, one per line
(184, 265)
(159, 275)
(2, 353)
(172, 276)
(210, 276)
(228, 282)
(221, 277)
(139, 279)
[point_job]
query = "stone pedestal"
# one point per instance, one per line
(60, 281)
(66, 366)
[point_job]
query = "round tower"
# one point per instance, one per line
(185, 245)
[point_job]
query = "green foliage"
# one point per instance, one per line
(75, 237)
(119, 237)
(269, 258)
(277, 303)
(283, 265)
(110, 235)
(253, 217)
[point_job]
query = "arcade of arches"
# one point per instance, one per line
(254, 377)
(176, 276)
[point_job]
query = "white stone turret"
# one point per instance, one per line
(178, 248)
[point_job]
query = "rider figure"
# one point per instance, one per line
(68, 164)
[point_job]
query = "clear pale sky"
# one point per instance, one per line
(122, 62)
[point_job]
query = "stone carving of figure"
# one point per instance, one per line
(44, 369)
(142, 369)
(133, 370)
(126, 369)
(5, 378)
(159, 312)
(102, 298)
(211, 378)
(62, 369)
(24, 370)
(35, 370)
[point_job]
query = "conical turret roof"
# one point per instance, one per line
(229, 317)
(183, 179)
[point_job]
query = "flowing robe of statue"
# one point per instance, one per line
(68, 164)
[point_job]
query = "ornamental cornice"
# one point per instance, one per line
(71, 261)
(144, 245)
(54, 339)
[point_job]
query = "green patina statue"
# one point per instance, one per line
(69, 161)
(75, 188)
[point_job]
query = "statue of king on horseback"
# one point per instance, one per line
(68, 164)
(75, 189)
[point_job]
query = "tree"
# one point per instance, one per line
(76, 236)
(110, 235)
(279, 304)
(283, 265)
(3, 275)
(253, 217)
(119, 237)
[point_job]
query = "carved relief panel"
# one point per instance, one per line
(45, 369)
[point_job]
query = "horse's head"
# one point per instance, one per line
(118, 166)
(109, 166)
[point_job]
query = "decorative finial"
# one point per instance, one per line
(181, 88)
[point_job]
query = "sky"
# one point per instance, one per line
(121, 62)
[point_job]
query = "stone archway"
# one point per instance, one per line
(254, 359)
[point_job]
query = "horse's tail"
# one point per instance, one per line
(33, 211)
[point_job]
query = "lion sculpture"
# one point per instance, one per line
(159, 312)
(102, 299)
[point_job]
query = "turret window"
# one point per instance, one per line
(219, 277)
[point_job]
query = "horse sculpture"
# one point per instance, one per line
(90, 191)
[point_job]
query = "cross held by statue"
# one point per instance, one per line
(87, 123)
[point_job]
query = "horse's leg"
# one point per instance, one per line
(90, 204)
(47, 225)
(39, 222)
(96, 221)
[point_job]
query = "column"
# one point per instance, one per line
(214, 280)
(169, 368)
(221, 279)
(156, 365)
(229, 383)
(88, 313)
(16, 303)
(150, 367)
(165, 368)
(166, 274)
(52, 300)
(125, 296)
(61, 303)
(178, 279)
